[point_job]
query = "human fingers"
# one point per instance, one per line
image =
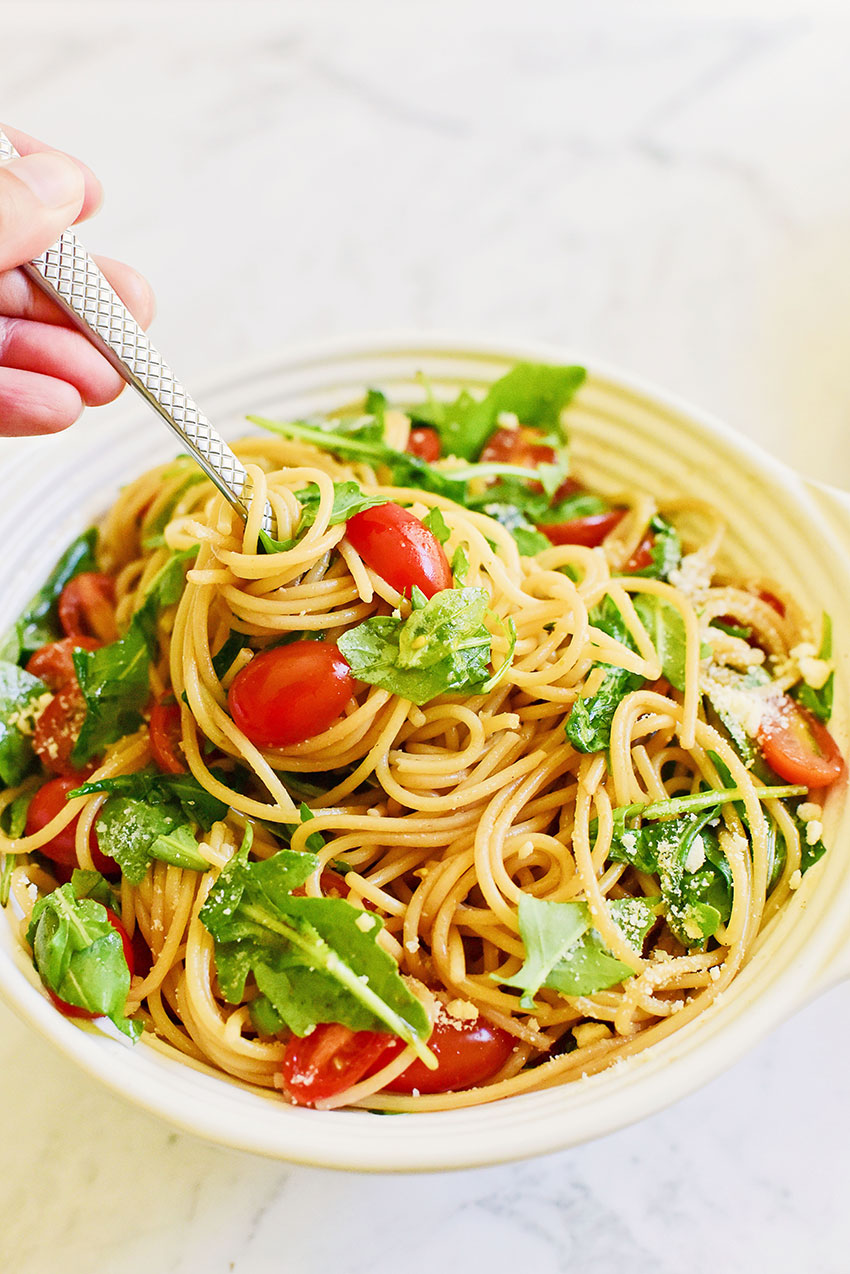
(34, 404)
(27, 145)
(62, 353)
(40, 196)
(19, 298)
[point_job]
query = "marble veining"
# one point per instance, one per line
(665, 187)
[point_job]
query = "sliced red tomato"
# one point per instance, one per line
(73, 1010)
(400, 549)
(290, 693)
(87, 607)
(424, 442)
(588, 531)
(57, 729)
(467, 1053)
(798, 746)
(165, 736)
(329, 1060)
(642, 556)
(522, 446)
(772, 600)
(49, 801)
(54, 663)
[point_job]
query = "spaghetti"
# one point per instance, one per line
(557, 791)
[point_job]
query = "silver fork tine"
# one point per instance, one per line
(71, 278)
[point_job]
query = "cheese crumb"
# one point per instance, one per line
(693, 576)
(814, 831)
(715, 972)
(696, 854)
(525, 850)
(588, 1033)
(795, 879)
(464, 1010)
(412, 945)
(809, 810)
(365, 923)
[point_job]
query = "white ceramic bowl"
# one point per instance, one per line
(623, 432)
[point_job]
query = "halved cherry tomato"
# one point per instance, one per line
(400, 549)
(772, 600)
(73, 1010)
(329, 1060)
(424, 442)
(290, 693)
(49, 801)
(165, 736)
(468, 1053)
(87, 606)
(589, 531)
(798, 746)
(642, 556)
(521, 446)
(58, 727)
(54, 663)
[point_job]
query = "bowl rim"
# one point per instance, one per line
(443, 1140)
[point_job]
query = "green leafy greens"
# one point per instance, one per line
(114, 680)
(39, 623)
(78, 953)
(442, 647)
(565, 953)
(349, 498)
(536, 393)
(20, 693)
(589, 723)
(313, 959)
(819, 701)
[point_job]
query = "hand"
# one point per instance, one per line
(48, 371)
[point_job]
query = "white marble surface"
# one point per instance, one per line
(667, 189)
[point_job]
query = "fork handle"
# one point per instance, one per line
(69, 276)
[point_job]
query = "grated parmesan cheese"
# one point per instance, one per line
(814, 831)
(693, 575)
(696, 854)
(795, 879)
(809, 810)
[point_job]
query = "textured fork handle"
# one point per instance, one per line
(72, 279)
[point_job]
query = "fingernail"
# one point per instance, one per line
(55, 180)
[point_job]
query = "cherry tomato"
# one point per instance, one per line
(468, 1053)
(517, 446)
(87, 606)
(290, 693)
(424, 442)
(400, 549)
(58, 727)
(54, 663)
(49, 801)
(798, 746)
(73, 1010)
(329, 1060)
(642, 556)
(165, 736)
(588, 531)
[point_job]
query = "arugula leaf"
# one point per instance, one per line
(39, 624)
(134, 832)
(533, 499)
(819, 702)
(91, 884)
(694, 876)
(13, 823)
(666, 551)
(666, 630)
(78, 953)
(154, 788)
(809, 854)
(565, 953)
(349, 498)
(309, 956)
(588, 726)
(529, 540)
(536, 393)
(114, 680)
(460, 567)
(442, 647)
(741, 631)
(19, 696)
(436, 524)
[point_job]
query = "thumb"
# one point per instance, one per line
(40, 196)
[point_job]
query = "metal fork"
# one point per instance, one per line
(69, 276)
